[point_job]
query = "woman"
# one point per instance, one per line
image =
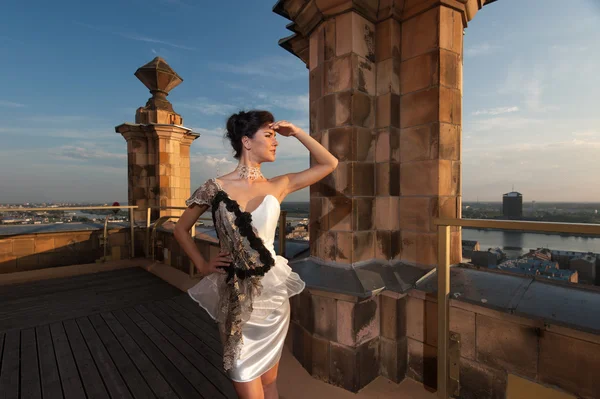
(246, 288)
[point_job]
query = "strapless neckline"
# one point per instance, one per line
(243, 208)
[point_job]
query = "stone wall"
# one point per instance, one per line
(495, 345)
(45, 250)
(337, 339)
(175, 257)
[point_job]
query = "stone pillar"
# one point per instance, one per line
(385, 82)
(430, 135)
(158, 147)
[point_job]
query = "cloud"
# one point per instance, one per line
(11, 104)
(207, 107)
(586, 133)
(136, 37)
(64, 133)
(502, 124)
(261, 98)
(84, 153)
(551, 170)
(277, 67)
(57, 118)
(528, 83)
(481, 49)
(496, 111)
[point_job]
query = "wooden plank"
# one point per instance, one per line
(30, 374)
(190, 332)
(188, 303)
(51, 387)
(136, 383)
(15, 291)
(181, 386)
(155, 380)
(210, 333)
(90, 377)
(9, 374)
(83, 303)
(69, 376)
(197, 379)
(112, 379)
(193, 354)
(107, 287)
(1, 348)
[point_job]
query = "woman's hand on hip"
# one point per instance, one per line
(217, 264)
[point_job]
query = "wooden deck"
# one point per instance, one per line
(117, 334)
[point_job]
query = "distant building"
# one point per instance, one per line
(512, 205)
(585, 266)
(537, 267)
(540, 253)
(491, 257)
(468, 247)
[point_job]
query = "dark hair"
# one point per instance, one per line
(245, 124)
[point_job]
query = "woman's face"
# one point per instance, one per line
(263, 145)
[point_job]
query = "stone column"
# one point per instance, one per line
(430, 136)
(386, 99)
(158, 147)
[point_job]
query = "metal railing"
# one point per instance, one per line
(79, 208)
(443, 275)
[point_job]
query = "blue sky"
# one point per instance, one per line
(530, 108)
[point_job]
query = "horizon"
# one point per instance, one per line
(529, 112)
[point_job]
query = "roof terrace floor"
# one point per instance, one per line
(126, 333)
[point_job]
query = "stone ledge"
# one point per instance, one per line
(535, 302)
(360, 280)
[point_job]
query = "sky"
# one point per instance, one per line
(530, 102)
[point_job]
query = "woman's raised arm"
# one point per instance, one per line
(325, 162)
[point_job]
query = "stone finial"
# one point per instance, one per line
(160, 79)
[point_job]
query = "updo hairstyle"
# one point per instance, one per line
(245, 124)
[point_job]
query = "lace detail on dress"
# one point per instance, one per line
(251, 260)
(204, 194)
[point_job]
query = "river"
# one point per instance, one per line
(516, 242)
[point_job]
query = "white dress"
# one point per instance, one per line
(265, 331)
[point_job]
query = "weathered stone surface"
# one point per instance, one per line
(344, 367)
(420, 72)
(421, 107)
(325, 320)
(420, 34)
(387, 36)
(357, 322)
(393, 358)
(363, 213)
(388, 110)
(507, 345)
(383, 245)
(363, 246)
(23, 247)
(363, 179)
(320, 358)
(302, 346)
(44, 244)
(340, 216)
(569, 363)
(422, 362)
(393, 317)
(479, 381)
(388, 76)
(368, 362)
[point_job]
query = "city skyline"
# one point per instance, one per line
(529, 115)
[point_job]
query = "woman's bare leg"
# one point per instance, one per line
(269, 383)
(250, 390)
